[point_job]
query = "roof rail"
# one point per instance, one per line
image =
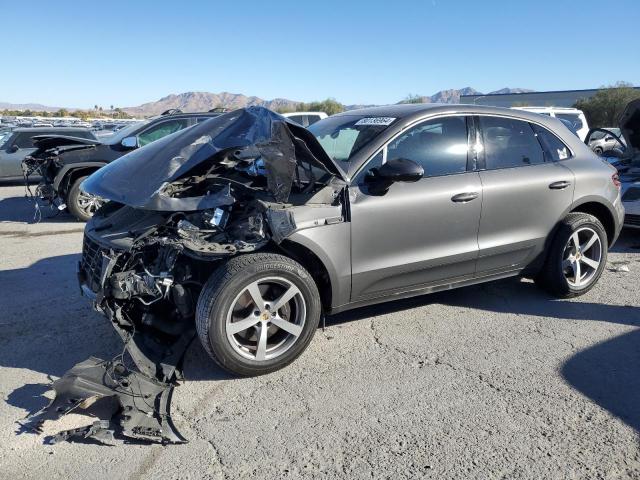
(171, 111)
(218, 110)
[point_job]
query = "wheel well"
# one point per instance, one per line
(602, 213)
(314, 266)
(72, 175)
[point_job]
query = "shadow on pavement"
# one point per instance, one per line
(608, 373)
(22, 209)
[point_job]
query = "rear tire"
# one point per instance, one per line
(570, 271)
(249, 339)
(81, 204)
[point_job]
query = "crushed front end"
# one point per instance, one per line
(148, 252)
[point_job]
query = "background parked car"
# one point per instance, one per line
(601, 141)
(573, 115)
(305, 118)
(624, 155)
(64, 167)
(17, 144)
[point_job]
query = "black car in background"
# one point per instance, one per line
(16, 144)
(64, 163)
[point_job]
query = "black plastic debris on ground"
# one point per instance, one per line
(128, 403)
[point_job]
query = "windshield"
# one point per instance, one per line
(343, 136)
(124, 133)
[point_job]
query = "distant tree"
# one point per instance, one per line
(412, 98)
(61, 113)
(606, 106)
(330, 106)
(95, 107)
(520, 104)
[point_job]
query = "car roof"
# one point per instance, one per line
(185, 114)
(407, 112)
(48, 129)
(548, 109)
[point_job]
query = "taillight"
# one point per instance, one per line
(615, 178)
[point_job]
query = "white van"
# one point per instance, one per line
(572, 115)
(305, 118)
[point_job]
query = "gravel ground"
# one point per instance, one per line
(493, 381)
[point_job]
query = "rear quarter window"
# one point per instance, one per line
(553, 147)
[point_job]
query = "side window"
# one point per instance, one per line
(313, 119)
(553, 147)
(160, 130)
(25, 140)
(298, 119)
(439, 145)
(573, 118)
(509, 143)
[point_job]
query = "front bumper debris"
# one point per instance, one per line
(127, 403)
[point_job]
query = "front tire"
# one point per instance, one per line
(81, 204)
(257, 313)
(576, 258)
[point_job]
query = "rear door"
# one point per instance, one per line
(525, 191)
(422, 233)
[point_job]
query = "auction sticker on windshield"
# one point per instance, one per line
(375, 121)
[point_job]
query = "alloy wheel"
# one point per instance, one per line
(89, 203)
(266, 318)
(582, 257)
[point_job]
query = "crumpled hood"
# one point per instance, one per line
(630, 125)
(139, 179)
(47, 142)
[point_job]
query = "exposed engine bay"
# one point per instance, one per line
(150, 249)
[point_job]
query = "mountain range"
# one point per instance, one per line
(203, 101)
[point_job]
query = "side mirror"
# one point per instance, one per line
(396, 170)
(13, 149)
(129, 142)
(608, 139)
(400, 170)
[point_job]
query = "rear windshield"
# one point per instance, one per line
(345, 135)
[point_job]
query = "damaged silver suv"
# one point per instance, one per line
(247, 228)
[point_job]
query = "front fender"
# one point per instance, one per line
(332, 245)
(66, 169)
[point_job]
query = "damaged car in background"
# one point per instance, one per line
(64, 163)
(623, 152)
(246, 229)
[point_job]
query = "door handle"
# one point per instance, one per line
(559, 185)
(464, 197)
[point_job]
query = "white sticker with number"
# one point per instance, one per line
(375, 121)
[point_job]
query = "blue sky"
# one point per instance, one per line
(77, 54)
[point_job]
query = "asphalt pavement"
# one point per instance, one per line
(493, 381)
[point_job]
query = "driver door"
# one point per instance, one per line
(423, 233)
